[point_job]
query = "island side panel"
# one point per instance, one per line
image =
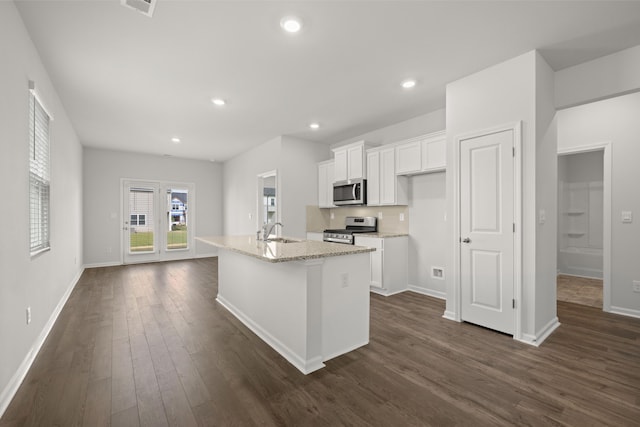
(345, 309)
(272, 300)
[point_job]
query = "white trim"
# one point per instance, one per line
(103, 264)
(36, 94)
(542, 335)
(16, 380)
(607, 148)
(343, 351)
(207, 255)
(516, 127)
(427, 292)
(384, 292)
(625, 311)
(450, 315)
(304, 366)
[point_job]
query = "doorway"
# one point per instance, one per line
(158, 220)
(268, 198)
(488, 255)
(584, 226)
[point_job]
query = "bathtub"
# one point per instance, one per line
(584, 262)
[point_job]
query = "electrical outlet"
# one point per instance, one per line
(108, 249)
(402, 217)
(627, 217)
(380, 215)
(542, 216)
(28, 315)
(250, 215)
(344, 280)
(636, 286)
(333, 215)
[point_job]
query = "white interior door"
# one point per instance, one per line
(158, 221)
(487, 230)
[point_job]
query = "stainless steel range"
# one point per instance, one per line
(354, 225)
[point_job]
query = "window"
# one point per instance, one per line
(39, 214)
(138, 219)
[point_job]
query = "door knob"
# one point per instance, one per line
(466, 240)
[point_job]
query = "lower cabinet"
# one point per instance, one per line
(389, 263)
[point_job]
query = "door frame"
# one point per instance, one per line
(172, 255)
(259, 196)
(606, 147)
(516, 128)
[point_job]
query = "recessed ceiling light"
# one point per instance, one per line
(408, 84)
(314, 126)
(219, 101)
(175, 140)
(291, 24)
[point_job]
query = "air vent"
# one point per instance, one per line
(143, 6)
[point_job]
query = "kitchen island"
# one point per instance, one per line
(308, 300)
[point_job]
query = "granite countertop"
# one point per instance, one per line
(299, 250)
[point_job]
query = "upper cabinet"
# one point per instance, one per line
(384, 187)
(422, 154)
(350, 161)
(325, 184)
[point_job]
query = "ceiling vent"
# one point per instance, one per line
(143, 6)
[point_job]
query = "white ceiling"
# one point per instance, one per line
(129, 82)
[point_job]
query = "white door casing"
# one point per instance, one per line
(488, 214)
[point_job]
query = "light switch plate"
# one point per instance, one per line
(627, 217)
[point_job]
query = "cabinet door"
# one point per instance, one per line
(373, 178)
(356, 168)
(434, 154)
(377, 258)
(325, 185)
(408, 158)
(340, 162)
(387, 177)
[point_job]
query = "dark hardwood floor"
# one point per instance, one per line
(148, 345)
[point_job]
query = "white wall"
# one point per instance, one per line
(41, 282)
(427, 204)
(103, 170)
(614, 120)
(296, 163)
(515, 90)
(611, 75)
(421, 125)
(427, 232)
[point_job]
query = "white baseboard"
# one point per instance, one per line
(625, 311)
(16, 380)
(384, 292)
(543, 334)
(304, 366)
(344, 351)
(103, 264)
(450, 315)
(428, 292)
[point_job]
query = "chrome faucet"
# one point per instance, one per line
(267, 232)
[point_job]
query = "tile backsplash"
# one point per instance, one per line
(320, 219)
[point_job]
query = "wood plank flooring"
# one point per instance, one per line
(148, 345)
(580, 290)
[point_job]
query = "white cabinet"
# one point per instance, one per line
(326, 172)
(313, 235)
(423, 154)
(389, 265)
(383, 186)
(350, 162)
(434, 153)
(408, 158)
(373, 178)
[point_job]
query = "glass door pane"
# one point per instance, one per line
(141, 220)
(177, 218)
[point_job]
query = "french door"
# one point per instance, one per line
(157, 221)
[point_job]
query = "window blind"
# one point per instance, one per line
(39, 213)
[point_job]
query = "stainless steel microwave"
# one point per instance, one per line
(352, 192)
